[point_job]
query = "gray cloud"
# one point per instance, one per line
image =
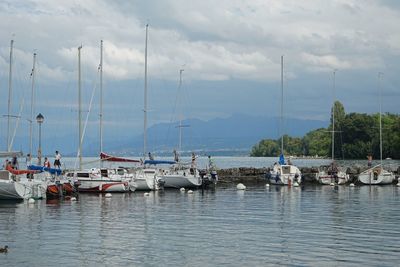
(230, 50)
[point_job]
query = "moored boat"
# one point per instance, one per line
(17, 185)
(95, 181)
(376, 176)
(57, 185)
(331, 174)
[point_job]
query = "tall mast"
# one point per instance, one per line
(101, 98)
(9, 96)
(180, 120)
(333, 115)
(32, 103)
(145, 97)
(79, 108)
(281, 120)
(380, 114)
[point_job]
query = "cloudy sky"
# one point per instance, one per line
(229, 49)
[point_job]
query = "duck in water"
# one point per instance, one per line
(4, 250)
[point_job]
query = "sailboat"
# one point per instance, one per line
(181, 174)
(18, 184)
(98, 180)
(332, 174)
(283, 173)
(377, 175)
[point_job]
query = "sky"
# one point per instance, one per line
(230, 51)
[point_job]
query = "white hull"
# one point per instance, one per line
(376, 176)
(148, 179)
(178, 181)
(103, 186)
(103, 181)
(327, 179)
(284, 175)
(21, 188)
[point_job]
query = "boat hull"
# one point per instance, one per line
(179, 181)
(18, 187)
(284, 175)
(376, 176)
(102, 186)
(327, 179)
(148, 179)
(22, 190)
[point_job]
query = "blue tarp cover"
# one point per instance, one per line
(155, 162)
(44, 169)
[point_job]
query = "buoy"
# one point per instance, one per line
(190, 192)
(31, 201)
(267, 185)
(352, 185)
(295, 184)
(332, 184)
(73, 198)
(108, 195)
(241, 186)
(146, 194)
(182, 189)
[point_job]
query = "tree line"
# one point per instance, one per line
(356, 136)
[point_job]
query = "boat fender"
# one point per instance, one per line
(241, 186)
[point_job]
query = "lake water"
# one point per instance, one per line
(303, 226)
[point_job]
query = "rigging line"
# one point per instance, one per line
(85, 124)
(173, 114)
(17, 123)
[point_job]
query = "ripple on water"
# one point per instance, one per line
(310, 226)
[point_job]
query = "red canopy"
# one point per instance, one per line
(18, 172)
(107, 157)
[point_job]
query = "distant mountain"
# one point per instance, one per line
(233, 135)
(221, 136)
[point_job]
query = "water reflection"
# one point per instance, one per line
(276, 225)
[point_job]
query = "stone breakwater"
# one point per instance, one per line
(257, 175)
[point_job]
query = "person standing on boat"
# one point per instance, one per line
(28, 160)
(176, 156)
(210, 163)
(46, 163)
(151, 156)
(14, 163)
(193, 160)
(369, 157)
(57, 161)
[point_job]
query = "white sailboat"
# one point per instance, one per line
(181, 174)
(97, 180)
(377, 175)
(332, 174)
(18, 184)
(283, 173)
(146, 177)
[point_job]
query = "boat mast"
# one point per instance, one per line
(32, 103)
(380, 74)
(9, 96)
(79, 108)
(180, 120)
(145, 98)
(281, 119)
(333, 115)
(101, 99)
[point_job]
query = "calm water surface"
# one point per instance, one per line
(309, 226)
